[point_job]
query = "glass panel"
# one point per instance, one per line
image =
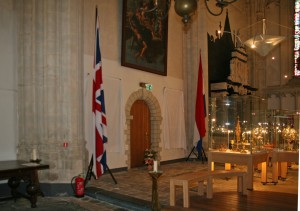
(237, 123)
(242, 124)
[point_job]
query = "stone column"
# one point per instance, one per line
(50, 86)
(193, 37)
(190, 75)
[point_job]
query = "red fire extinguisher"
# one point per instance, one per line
(78, 187)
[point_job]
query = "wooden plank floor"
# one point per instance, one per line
(254, 201)
(282, 197)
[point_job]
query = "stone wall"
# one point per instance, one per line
(50, 86)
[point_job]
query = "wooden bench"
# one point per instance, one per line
(186, 180)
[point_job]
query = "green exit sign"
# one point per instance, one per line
(149, 87)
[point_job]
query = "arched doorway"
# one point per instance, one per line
(140, 139)
(155, 121)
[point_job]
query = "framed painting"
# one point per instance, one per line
(144, 36)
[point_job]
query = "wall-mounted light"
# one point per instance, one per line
(183, 8)
(220, 4)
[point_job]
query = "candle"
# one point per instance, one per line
(34, 154)
(155, 166)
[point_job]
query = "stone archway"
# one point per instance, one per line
(155, 118)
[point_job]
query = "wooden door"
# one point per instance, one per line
(139, 132)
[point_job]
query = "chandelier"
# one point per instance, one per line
(183, 8)
(263, 43)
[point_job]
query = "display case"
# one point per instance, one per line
(243, 124)
(238, 124)
(284, 130)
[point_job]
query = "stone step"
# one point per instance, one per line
(124, 201)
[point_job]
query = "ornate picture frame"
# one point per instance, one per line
(144, 36)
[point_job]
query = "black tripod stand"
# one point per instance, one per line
(91, 174)
(195, 152)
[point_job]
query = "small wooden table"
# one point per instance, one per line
(282, 157)
(250, 160)
(17, 170)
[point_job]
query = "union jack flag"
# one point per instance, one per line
(100, 125)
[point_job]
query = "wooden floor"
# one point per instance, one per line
(270, 197)
(254, 201)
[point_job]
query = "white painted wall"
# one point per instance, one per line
(8, 90)
(110, 44)
(130, 80)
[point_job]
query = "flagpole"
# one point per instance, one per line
(100, 126)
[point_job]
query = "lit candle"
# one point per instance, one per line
(155, 166)
(34, 154)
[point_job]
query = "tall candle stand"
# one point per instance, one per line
(155, 203)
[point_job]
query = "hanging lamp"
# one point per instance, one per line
(264, 43)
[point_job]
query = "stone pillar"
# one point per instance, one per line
(50, 86)
(190, 76)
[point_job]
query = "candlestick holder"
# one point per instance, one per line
(155, 203)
